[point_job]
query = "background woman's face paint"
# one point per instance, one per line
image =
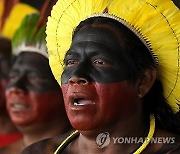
(32, 94)
(95, 80)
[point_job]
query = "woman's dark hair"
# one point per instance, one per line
(5, 47)
(139, 59)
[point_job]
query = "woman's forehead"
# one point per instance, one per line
(27, 60)
(101, 33)
(30, 57)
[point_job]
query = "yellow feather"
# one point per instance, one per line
(1, 11)
(1, 8)
(18, 12)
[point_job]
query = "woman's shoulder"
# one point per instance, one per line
(171, 142)
(46, 146)
(12, 148)
(164, 142)
(169, 149)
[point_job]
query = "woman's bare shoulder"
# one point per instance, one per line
(45, 146)
(164, 142)
(172, 143)
(12, 148)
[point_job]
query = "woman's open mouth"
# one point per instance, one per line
(79, 102)
(15, 107)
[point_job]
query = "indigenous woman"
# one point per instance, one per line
(118, 64)
(8, 132)
(34, 98)
(11, 14)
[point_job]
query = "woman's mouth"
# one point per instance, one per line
(18, 107)
(79, 102)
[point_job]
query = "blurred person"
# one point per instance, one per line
(10, 19)
(8, 132)
(34, 98)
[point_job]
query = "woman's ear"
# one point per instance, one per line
(146, 81)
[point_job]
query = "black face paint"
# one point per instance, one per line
(96, 55)
(31, 72)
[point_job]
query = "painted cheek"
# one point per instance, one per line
(48, 105)
(112, 102)
(26, 109)
(117, 100)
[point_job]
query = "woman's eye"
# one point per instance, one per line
(32, 77)
(71, 62)
(101, 63)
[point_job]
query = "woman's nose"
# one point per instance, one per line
(79, 81)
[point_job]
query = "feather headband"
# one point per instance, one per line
(155, 22)
(29, 38)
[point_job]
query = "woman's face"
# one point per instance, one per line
(33, 95)
(96, 89)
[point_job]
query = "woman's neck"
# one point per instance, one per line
(135, 126)
(52, 128)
